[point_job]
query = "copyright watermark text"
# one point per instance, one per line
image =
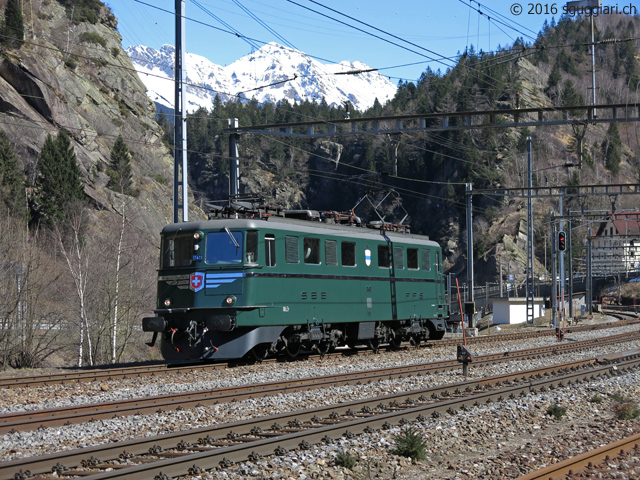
(572, 11)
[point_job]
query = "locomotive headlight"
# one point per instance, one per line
(197, 236)
(167, 302)
(230, 300)
(196, 247)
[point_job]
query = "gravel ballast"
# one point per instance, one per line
(497, 441)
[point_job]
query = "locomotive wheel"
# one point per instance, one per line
(435, 335)
(395, 341)
(292, 349)
(259, 352)
(323, 347)
(374, 344)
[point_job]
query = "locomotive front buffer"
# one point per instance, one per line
(465, 357)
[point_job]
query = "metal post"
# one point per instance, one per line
(561, 267)
(234, 162)
(530, 292)
(589, 273)
(570, 270)
(180, 122)
(501, 286)
(554, 281)
(470, 250)
(593, 71)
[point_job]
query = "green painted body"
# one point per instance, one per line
(289, 290)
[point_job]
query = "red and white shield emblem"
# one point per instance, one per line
(196, 281)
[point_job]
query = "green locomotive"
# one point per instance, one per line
(235, 287)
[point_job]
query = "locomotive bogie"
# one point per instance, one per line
(234, 287)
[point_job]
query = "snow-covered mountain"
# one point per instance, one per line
(281, 71)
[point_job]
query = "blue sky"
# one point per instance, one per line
(444, 27)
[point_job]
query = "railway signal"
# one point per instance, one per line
(562, 245)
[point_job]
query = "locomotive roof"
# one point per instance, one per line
(299, 226)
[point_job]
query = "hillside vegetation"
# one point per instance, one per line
(555, 70)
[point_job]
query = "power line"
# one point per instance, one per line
(269, 29)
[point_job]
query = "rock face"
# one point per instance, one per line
(75, 76)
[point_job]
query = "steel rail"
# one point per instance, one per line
(105, 374)
(30, 420)
(322, 423)
(575, 465)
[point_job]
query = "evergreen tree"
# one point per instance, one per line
(59, 182)
(612, 147)
(119, 170)
(13, 24)
(11, 178)
(554, 81)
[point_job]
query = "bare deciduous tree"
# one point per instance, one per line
(73, 244)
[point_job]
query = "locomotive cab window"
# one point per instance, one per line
(331, 252)
(384, 258)
(270, 250)
(251, 255)
(348, 254)
(412, 258)
(311, 250)
(224, 248)
(177, 251)
(438, 269)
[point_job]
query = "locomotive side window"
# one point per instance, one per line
(438, 262)
(412, 258)
(292, 254)
(348, 253)
(251, 255)
(331, 252)
(384, 258)
(426, 260)
(270, 250)
(398, 258)
(224, 248)
(177, 251)
(311, 250)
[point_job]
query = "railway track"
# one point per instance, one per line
(196, 450)
(593, 464)
(22, 421)
(105, 374)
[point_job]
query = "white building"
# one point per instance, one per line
(615, 247)
(514, 310)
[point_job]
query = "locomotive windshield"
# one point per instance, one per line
(177, 250)
(224, 248)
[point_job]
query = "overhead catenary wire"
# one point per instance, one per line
(267, 27)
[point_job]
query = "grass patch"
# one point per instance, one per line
(89, 37)
(556, 411)
(410, 443)
(345, 460)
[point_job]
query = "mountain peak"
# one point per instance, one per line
(270, 74)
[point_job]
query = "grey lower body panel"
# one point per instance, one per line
(237, 344)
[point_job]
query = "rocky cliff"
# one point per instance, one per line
(75, 76)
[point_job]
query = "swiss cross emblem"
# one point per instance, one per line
(196, 281)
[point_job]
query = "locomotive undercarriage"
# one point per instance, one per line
(217, 337)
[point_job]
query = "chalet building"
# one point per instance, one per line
(615, 247)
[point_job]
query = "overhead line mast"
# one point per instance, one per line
(180, 198)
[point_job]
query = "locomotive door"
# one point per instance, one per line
(392, 278)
